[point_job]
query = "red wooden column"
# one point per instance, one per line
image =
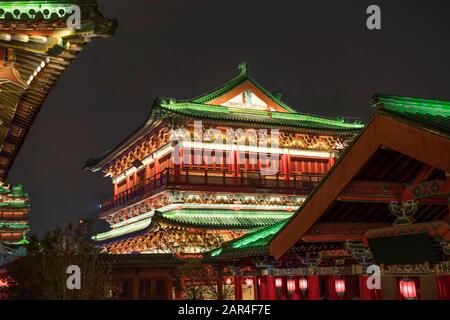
(271, 291)
(115, 189)
(148, 172)
(235, 162)
(135, 179)
(313, 287)
(237, 287)
(332, 295)
(443, 286)
(156, 167)
(331, 162)
(262, 288)
(284, 166)
(178, 167)
(364, 292)
(283, 289)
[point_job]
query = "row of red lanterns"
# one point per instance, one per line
(407, 286)
(302, 283)
(339, 284)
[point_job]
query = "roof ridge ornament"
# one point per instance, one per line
(244, 67)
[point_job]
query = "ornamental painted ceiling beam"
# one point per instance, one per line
(340, 232)
(430, 192)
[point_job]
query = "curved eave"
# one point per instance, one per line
(24, 105)
(109, 237)
(310, 122)
(221, 222)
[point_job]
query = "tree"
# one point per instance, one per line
(199, 281)
(42, 273)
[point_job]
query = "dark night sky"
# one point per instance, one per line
(319, 54)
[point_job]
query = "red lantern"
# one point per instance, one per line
(228, 281)
(278, 282)
(408, 289)
(339, 286)
(3, 283)
(249, 282)
(291, 285)
(303, 284)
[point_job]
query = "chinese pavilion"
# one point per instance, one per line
(36, 46)
(384, 207)
(193, 176)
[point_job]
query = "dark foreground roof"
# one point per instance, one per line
(142, 260)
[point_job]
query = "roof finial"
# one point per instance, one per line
(244, 68)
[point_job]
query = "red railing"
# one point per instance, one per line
(207, 177)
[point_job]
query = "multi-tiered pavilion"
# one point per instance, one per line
(204, 171)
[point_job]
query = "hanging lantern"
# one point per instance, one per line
(303, 284)
(3, 283)
(339, 286)
(408, 289)
(228, 280)
(249, 282)
(278, 282)
(291, 285)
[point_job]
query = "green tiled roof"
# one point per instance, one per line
(200, 108)
(244, 76)
(433, 114)
(14, 225)
(252, 244)
(39, 9)
(113, 233)
(218, 219)
(216, 112)
(153, 259)
(15, 191)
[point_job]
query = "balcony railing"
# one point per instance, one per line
(207, 177)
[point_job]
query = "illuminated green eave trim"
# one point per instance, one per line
(137, 226)
(244, 219)
(22, 242)
(48, 9)
(251, 241)
(6, 225)
(254, 237)
(413, 105)
(432, 114)
(15, 204)
(223, 112)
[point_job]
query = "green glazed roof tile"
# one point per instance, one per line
(433, 114)
(256, 116)
(254, 243)
(224, 218)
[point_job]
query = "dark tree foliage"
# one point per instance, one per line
(42, 273)
(199, 281)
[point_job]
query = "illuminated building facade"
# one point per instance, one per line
(208, 170)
